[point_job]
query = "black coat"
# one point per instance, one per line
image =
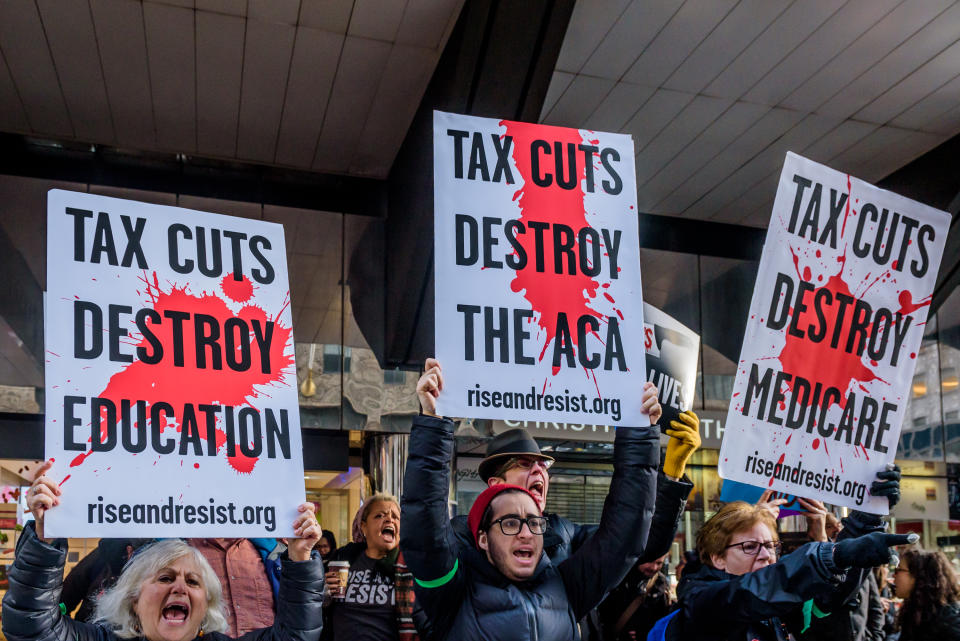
(943, 627)
(765, 605)
(31, 607)
(860, 618)
(467, 599)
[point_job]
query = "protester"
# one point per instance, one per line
(744, 591)
(860, 617)
(513, 457)
(167, 592)
(641, 599)
(327, 545)
(689, 562)
(245, 579)
(931, 597)
(376, 604)
(95, 573)
(881, 575)
(500, 585)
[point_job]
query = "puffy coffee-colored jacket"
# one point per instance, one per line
(765, 605)
(467, 599)
(31, 607)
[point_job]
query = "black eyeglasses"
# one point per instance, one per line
(752, 548)
(511, 525)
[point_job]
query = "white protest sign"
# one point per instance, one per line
(171, 403)
(539, 312)
(837, 317)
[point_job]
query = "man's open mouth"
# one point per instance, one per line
(176, 612)
(537, 488)
(524, 556)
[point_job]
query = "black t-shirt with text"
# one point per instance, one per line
(366, 613)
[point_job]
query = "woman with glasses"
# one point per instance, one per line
(931, 597)
(746, 591)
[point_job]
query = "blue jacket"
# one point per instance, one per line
(467, 599)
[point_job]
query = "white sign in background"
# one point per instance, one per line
(539, 311)
(835, 325)
(145, 324)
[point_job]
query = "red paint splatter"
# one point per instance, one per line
(65, 478)
(907, 305)
(237, 290)
(913, 354)
(196, 466)
(806, 273)
(789, 436)
(189, 384)
(779, 462)
(548, 293)
(819, 361)
(864, 451)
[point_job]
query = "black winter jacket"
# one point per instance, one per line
(943, 627)
(765, 605)
(467, 599)
(564, 537)
(855, 610)
(31, 607)
(860, 618)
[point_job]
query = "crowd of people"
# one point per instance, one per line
(507, 570)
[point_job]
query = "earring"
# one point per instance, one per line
(200, 632)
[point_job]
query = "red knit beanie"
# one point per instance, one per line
(480, 505)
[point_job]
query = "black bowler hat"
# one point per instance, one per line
(515, 442)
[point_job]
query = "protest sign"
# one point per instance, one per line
(171, 403)
(835, 324)
(672, 354)
(538, 302)
(734, 491)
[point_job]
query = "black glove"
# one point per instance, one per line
(888, 485)
(870, 550)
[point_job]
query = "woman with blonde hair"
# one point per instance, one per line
(745, 591)
(167, 592)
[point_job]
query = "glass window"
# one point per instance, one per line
(726, 288)
(948, 319)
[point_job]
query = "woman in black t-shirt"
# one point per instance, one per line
(376, 602)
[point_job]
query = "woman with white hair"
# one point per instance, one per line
(167, 592)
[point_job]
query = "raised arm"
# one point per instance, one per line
(31, 606)
(428, 542)
(603, 560)
(781, 589)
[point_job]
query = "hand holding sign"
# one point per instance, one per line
(770, 504)
(888, 484)
(429, 386)
(816, 514)
(650, 404)
(309, 532)
(42, 495)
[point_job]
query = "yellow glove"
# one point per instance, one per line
(684, 441)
